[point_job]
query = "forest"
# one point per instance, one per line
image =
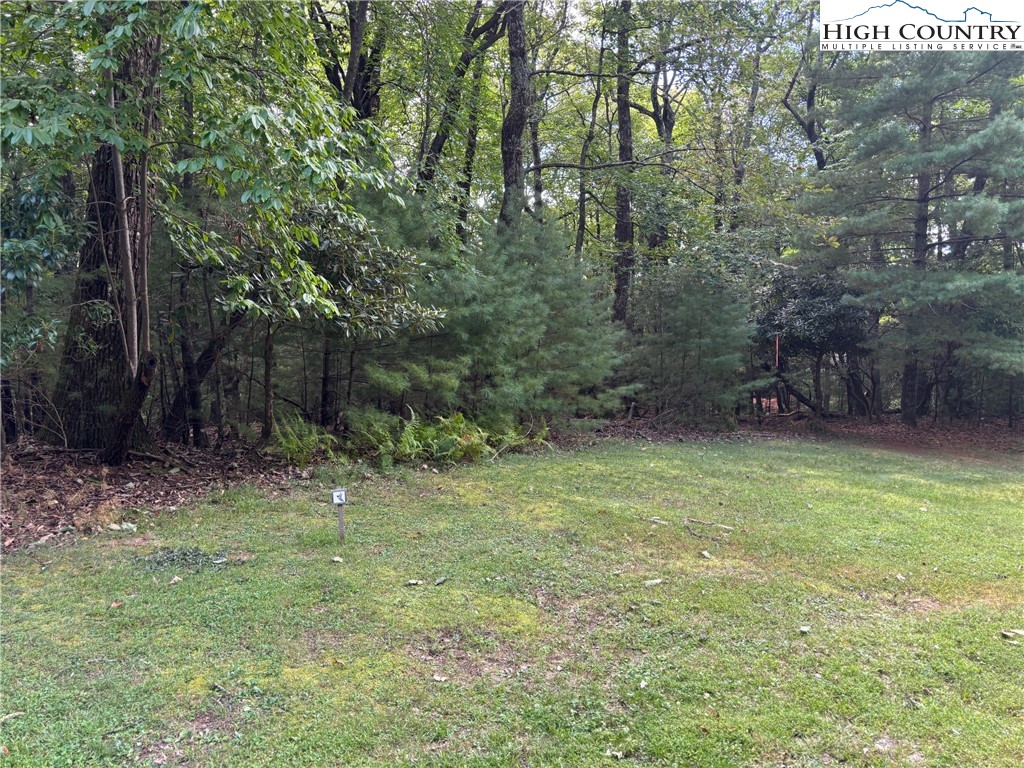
(426, 229)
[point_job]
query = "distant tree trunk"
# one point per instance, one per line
(472, 133)
(193, 394)
(625, 256)
(808, 119)
(10, 423)
(876, 393)
(268, 383)
(538, 177)
(581, 195)
(856, 392)
(910, 394)
(176, 423)
(740, 157)
(664, 115)
(356, 83)
(720, 199)
(514, 124)
(328, 384)
(818, 407)
(233, 411)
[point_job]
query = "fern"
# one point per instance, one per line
(297, 441)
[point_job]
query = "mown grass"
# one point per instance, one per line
(557, 624)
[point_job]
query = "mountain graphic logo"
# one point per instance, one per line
(969, 15)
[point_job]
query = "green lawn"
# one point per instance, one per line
(852, 615)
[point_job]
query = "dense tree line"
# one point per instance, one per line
(224, 214)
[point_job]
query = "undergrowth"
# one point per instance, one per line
(298, 442)
(444, 440)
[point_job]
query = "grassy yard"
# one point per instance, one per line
(569, 609)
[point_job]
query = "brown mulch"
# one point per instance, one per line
(52, 493)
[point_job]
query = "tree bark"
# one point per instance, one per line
(625, 256)
(472, 133)
(93, 373)
(175, 424)
(268, 384)
(9, 433)
(127, 423)
(910, 393)
(664, 116)
(514, 124)
(328, 385)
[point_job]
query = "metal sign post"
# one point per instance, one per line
(338, 497)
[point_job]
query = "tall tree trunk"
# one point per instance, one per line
(93, 372)
(9, 432)
(356, 84)
(740, 157)
(269, 424)
(472, 133)
(819, 394)
(514, 124)
(127, 425)
(328, 384)
(193, 395)
(175, 424)
(664, 115)
(625, 256)
(876, 393)
(910, 393)
(581, 195)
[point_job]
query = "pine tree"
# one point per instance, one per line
(926, 205)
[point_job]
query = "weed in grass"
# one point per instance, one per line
(192, 558)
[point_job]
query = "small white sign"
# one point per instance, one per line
(338, 496)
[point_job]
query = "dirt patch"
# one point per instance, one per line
(987, 442)
(320, 642)
(172, 750)
(924, 605)
(163, 753)
(451, 654)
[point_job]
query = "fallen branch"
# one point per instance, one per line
(164, 458)
(705, 522)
